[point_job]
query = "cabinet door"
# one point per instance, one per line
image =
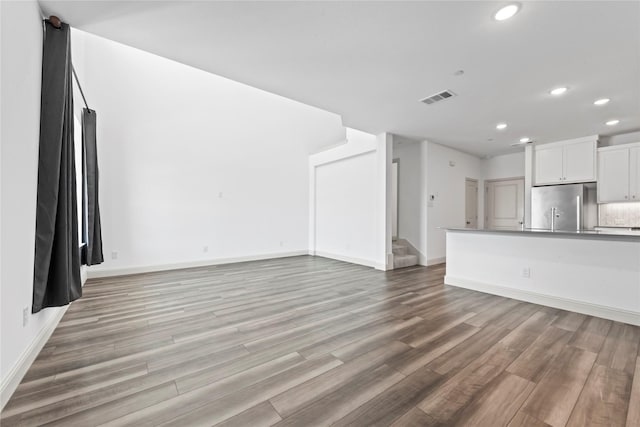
(579, 162)
(634, 174)
(548, 166)
(613, 176)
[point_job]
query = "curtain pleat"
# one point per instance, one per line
(93, 249)
(57, 256)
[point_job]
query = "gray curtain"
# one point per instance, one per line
(92, 253)
(57, 256)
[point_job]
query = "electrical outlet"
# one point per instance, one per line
(205, 249)
(114, 255)
(25, 316)
(281, 243)
(526, 272)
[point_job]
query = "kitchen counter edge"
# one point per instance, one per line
(588, 234)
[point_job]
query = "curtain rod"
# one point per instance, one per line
(80, 87)
(56, 22)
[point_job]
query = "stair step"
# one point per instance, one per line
(400, 261)
(399, 249)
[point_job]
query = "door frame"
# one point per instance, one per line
(486, 192)
(477, 182)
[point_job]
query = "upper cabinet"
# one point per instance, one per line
(565, 162)
(549, 165)
(619, 173)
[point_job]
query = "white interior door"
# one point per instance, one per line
(394, 199)
(471, 203)
(504, 204)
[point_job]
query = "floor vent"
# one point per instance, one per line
(441, 96)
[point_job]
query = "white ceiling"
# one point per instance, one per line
(372, 62)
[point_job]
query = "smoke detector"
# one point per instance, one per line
(440, 96)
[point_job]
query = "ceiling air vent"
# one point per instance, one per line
(441, 96)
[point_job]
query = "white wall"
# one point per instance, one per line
(344, 209)
(623, 138)
(20, 111)
(447, 184)
(195, 168)
(425, 170)
(505, 166)
(409, 157)
(345, 203)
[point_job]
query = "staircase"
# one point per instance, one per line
(401, 256)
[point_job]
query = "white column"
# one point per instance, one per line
(385, 154)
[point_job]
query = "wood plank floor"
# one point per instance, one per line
(308, 341)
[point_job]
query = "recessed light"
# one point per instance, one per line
(558, 91)
(501, 126)
(506, 12)
(525, 140)
(612, 122)
(601, 101)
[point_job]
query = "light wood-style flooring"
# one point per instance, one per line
(307, 341)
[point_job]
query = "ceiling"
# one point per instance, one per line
(371, 62)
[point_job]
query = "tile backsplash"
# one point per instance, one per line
(619, 214)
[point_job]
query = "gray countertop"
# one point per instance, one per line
(573, 234)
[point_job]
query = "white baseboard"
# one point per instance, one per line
(11, 381)
(110, 272)
(605, 312)
(381, 267)
(436, 261)
(352, 260)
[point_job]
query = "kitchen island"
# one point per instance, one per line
(589, 272)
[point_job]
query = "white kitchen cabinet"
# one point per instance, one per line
(549, 167)
(619, 173)
(613, 176)
(579, 161)
(565, 162)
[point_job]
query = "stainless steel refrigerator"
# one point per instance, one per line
(567, 207)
